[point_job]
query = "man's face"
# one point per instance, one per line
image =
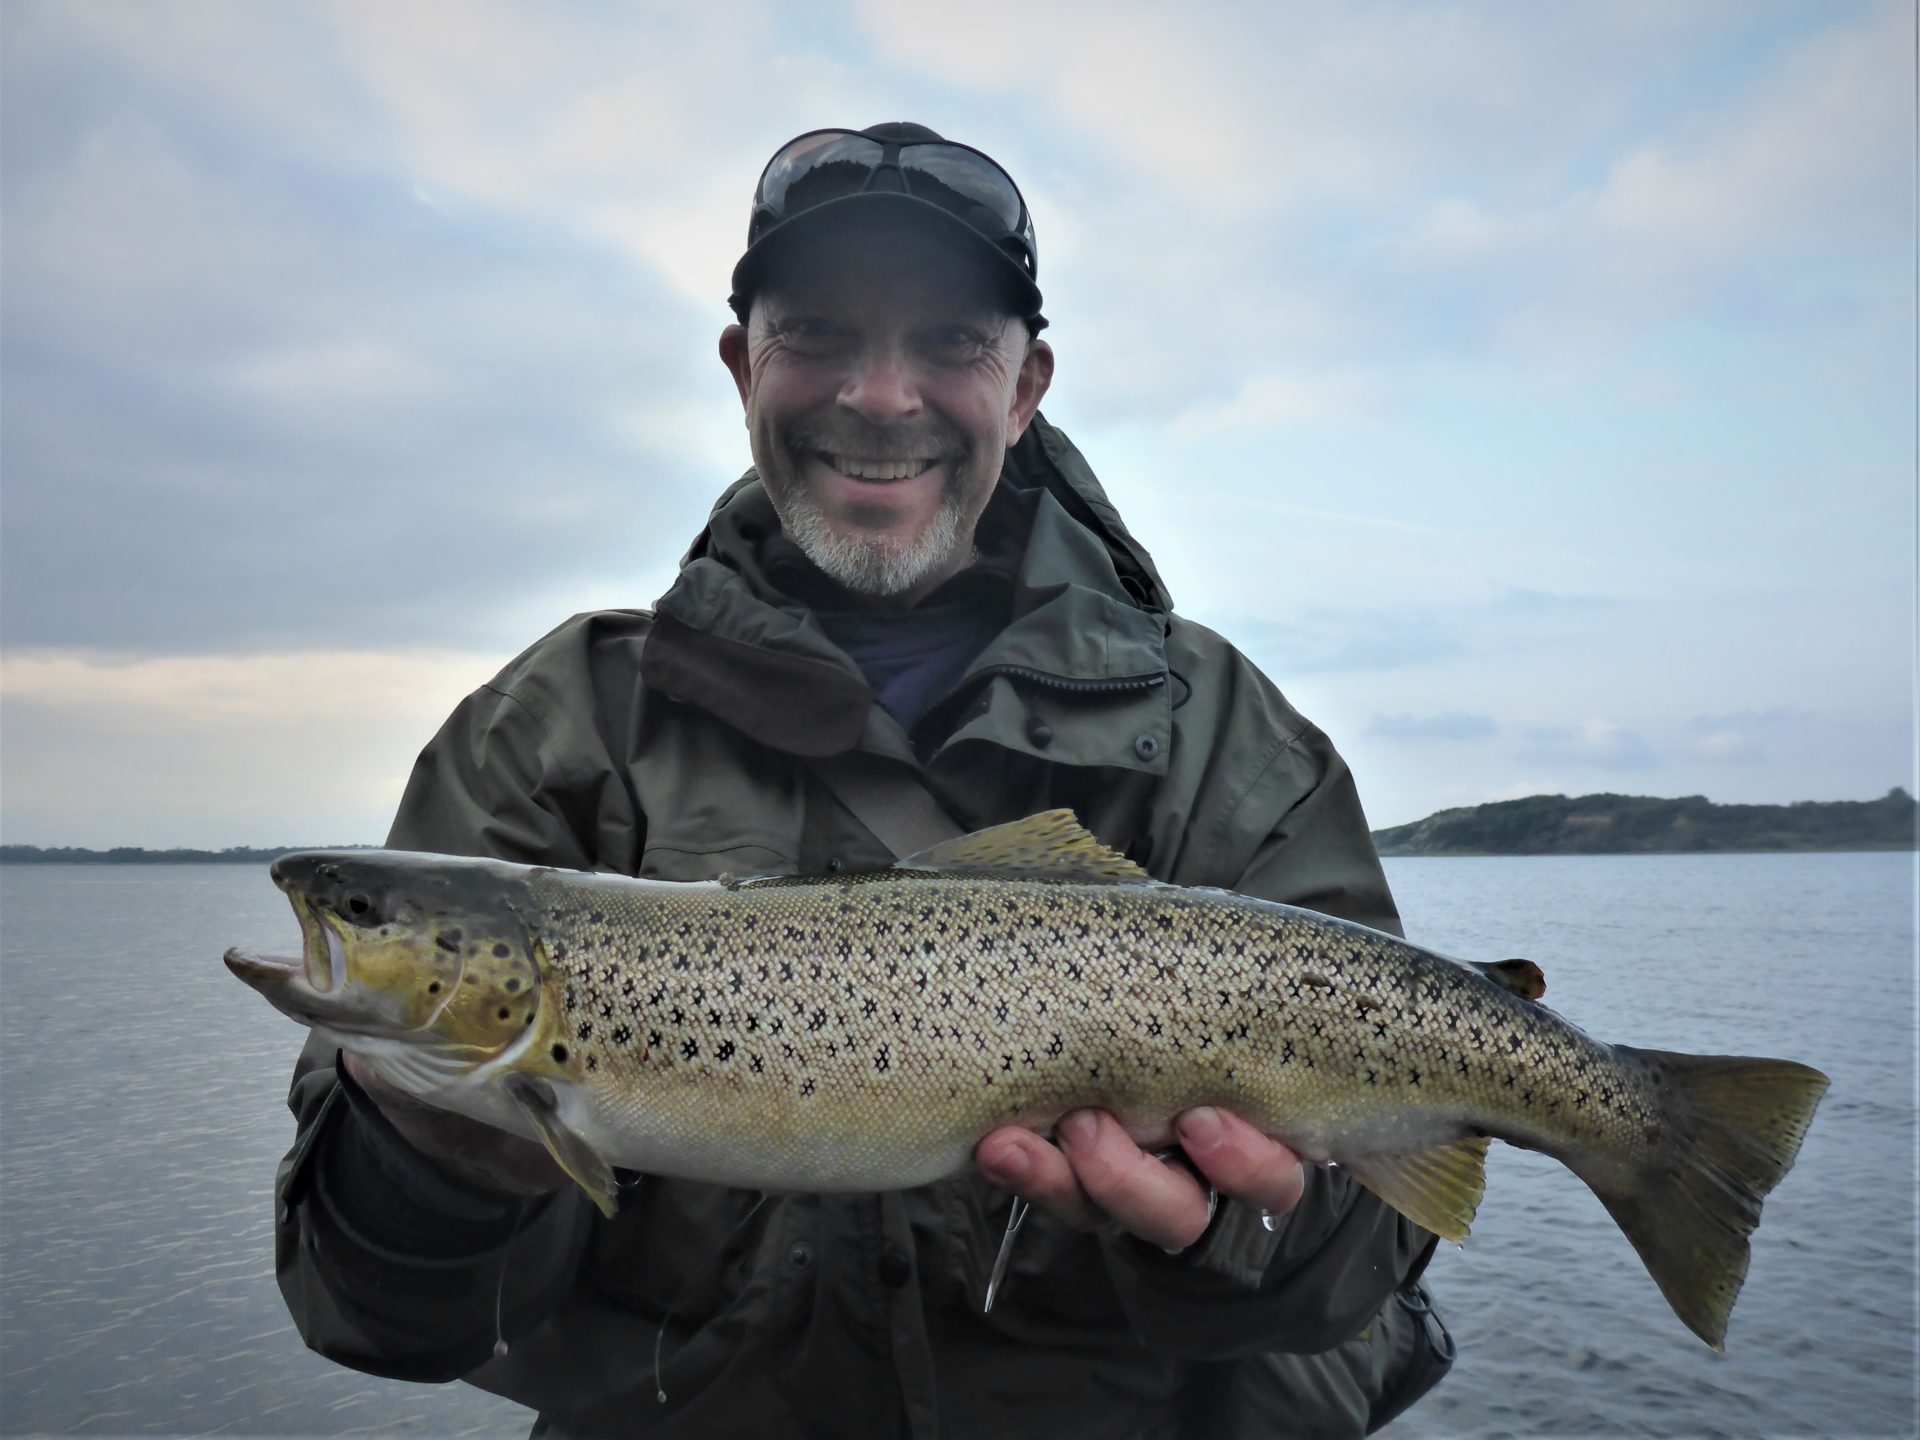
(883, 381)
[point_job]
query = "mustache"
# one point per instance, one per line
(849, 435)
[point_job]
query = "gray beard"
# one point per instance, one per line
(872, 564)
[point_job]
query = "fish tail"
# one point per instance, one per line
(1734, 1126)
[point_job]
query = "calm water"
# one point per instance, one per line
(141, 1117)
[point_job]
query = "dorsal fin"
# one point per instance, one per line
(1522, 977)
(1052, 845)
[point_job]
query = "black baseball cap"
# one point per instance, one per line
(827, 176)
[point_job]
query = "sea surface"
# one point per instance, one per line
(142, 1114)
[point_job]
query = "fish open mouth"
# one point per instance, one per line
(316, 970)
(325, 955)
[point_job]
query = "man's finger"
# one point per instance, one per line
(1240, 1161)
(1025, 1163)
(1159, 1203)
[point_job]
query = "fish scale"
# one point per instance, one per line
(864, 1032)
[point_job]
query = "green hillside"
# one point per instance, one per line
(1638, 824)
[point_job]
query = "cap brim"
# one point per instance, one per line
(751, 273)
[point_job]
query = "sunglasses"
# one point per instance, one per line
(825, 165)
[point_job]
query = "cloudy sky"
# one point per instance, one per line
(1529, 389)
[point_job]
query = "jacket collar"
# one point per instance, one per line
(1090, 613)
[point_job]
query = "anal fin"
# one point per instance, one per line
(1437, 1189)
(571, 1153)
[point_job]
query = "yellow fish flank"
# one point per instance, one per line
(863, 1032)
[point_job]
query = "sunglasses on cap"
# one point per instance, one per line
(827, 165)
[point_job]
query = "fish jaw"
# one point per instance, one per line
(287, 983)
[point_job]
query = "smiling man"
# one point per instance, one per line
(882, 400)
(918, 614)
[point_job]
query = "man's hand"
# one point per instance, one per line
(478, 1153)
(1096, 1176)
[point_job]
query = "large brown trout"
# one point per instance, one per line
(859, 1033)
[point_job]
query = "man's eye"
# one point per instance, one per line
(954, 338)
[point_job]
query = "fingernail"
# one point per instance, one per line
(1012, 1166)
(1201, 1129)
(1078, 1128)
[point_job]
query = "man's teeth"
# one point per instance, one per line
(878, 469)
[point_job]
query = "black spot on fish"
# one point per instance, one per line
(434, 988)
(559, 1053)
(512, 985)
(501, 949)
(447, 943)
(505, 1014)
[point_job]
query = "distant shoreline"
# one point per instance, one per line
(1604, 824)
(1644, 825)
(136, 855)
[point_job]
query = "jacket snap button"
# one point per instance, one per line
(895, 1267)
(1039, 732)
(836, 865)
(1146, 747)
(800, 1255)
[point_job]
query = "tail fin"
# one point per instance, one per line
(1735, 1126)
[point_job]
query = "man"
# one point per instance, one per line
(918, 614)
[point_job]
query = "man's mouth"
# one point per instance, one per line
(877, 470)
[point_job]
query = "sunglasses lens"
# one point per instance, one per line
(954, 179)
(815, 169)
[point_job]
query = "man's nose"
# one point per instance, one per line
(882, 387)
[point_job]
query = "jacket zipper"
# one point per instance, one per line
(1078, 687)
(1037, 677)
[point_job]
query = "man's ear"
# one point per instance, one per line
(1029, 388)
(733, 354)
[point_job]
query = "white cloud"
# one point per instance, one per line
(1814, 160)
(1818, 155)
(1447, 725)
(1744, 737)
(1269, 402)
(357, 372)
(1605, 744)
(311, 686)
(216, 750)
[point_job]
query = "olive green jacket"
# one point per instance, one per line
(680, 744)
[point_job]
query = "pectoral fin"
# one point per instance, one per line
(1437, 1189)
(573, 1154)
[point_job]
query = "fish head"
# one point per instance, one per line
(420, 956)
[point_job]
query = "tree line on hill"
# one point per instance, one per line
(136, 855)
(1638, 824)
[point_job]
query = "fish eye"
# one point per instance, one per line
(359, 904)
